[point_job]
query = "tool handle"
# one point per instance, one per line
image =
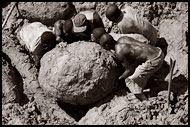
(172, 64)
(8, 15)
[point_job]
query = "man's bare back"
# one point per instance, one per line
(134, 50)
(128, 50)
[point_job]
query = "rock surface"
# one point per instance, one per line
(122, 108)
(45, 12)
(82, 73)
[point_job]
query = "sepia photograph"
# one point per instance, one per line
(95, 63)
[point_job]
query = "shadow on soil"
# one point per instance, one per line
(75, 111)
(21, 98)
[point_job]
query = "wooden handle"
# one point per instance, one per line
(8, 15)
(172, 64)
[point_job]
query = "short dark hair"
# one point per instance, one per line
(97, 33)
(107, 41)
(113, 13)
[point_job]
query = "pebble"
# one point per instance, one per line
(144, 116)
(39, 118)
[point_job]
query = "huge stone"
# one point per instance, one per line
(45, 12)
(81, 73)
(49, 12)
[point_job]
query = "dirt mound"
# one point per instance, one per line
(125, 109)
(82, 73)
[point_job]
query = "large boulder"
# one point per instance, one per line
(80, 73)
(49, 12)
(45, 12)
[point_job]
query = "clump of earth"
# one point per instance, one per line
(22, 106)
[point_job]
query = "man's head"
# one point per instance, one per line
(79, 23)
(68, 26)
(107, 41)
(97, 33)
(48, 41)
(113, 13)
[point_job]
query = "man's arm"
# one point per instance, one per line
(98, 20)
(129, 69)
(121, 53)
(83, 36)
(58, 30)
(69, 12)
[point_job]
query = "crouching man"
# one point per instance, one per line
(128, 21)
(128, 49)
(79, 27)
(37, 39)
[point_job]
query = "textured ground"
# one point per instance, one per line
(120, 107)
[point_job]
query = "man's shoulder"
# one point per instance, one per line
(121, 45)
(124, 38)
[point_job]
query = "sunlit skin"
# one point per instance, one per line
(128, 22)
(58, 30)
(128, 49)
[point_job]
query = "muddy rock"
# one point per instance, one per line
(45, 12)
(82, 73)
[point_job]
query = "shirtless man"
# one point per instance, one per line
(129, 21)
(127, 49)
(99, 31)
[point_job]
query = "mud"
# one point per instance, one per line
(29, 105)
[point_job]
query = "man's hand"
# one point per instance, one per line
(62, 44)
(59, 39)
(58, 30)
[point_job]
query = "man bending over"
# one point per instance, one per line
(127, 49)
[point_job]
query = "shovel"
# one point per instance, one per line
(172, 64)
